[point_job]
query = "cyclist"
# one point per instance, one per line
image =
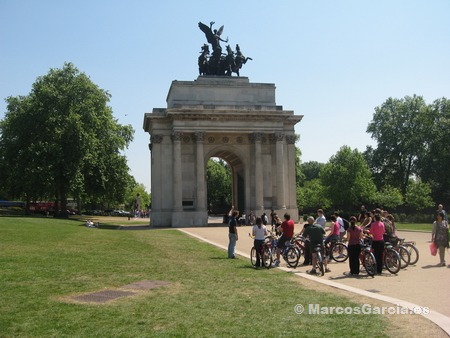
(315, 232)
(259, 232)
(287, 229)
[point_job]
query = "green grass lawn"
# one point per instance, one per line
(414, 226)
(45, 261)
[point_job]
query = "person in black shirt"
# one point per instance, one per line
(232, 234)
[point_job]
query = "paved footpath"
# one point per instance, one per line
(423, 284)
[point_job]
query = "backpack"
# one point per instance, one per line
(346, 223)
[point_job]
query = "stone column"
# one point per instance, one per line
(256, 138)
(290, 140)
(200, 172)
(177, 178)
(279, 160)
(155, 148)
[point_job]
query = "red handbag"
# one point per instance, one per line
(433, 249)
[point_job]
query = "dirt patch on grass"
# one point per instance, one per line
(105, 296)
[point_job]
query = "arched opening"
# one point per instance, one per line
(226, 185)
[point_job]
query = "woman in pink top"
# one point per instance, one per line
(354, 235)
(377, 231)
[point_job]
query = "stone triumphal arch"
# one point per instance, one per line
(230, 118)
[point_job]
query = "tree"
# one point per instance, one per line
(347, 179)
(418, 195)
(312, 196)
(62, 140)
(433, 166)
(218, 176)
(398, 128)
(137, 188)
(310, 171)
(388, 197)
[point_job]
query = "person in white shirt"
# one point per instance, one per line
(321, 220)
(259, 232)
(341, 225)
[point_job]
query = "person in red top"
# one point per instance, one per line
(287, 229)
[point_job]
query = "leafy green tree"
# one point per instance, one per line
(398, 128)
(62, 140)
(312, 196)
(218, 175)
(388, 197)
(418, 195)
(433, 166)
(138, 188)
(347, 179)
(310, 170)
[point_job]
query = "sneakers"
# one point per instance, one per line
(442, 263)
(276, 263)
(312, 272)
(327, 270)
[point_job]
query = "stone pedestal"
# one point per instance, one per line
(230, 118)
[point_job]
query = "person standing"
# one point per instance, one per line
(232, 234)
(439, 236)
(354, 235)
(308, 260)
(362, 214)
(259, 232)
(272, 217)
(441, 209)
(341, 225)
(377, 231)
(287, 229)
(251, 218)
(315, 233)
(321, 220)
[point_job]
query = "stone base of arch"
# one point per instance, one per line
(230, 118)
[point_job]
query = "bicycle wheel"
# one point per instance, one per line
(405, 258)
(292, 256)
(253, 256)
(370, 264)
(339, 252)
(320, 263)
(392, 261)
(413, 253)
(267, 258)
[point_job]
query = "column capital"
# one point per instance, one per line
(291, 139)
(156, 138)
(255, 137)
(276, 137)
(199, 136)
(176, 135)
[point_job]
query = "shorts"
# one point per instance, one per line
(282, 242)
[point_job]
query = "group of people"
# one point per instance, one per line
(378, 224)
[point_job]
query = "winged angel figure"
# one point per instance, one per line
(212, 36)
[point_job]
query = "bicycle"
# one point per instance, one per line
(318, 249)
(290, 253)
(337, 251)
(405, 257)
(367, 259)
(265, 254)
(391, 259)
(299, 243)
(412, 249)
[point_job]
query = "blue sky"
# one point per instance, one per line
(331, 61)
